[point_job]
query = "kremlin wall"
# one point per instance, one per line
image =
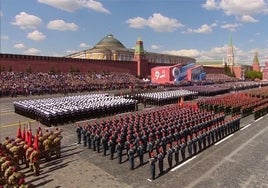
(110, 55)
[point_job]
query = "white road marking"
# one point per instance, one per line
(182, 164)
(221, 162)
(245, 127)
(258, 119)
(223, 139)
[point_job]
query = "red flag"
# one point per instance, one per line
(26, 136)
(19, 132)
(35, 144)
(23, 134)
(30, 138)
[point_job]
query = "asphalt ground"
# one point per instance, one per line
(239, 160)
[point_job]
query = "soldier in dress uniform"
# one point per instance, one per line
(79, 134)
(84, 135)
(35, 162)
(140, 152)
(131, 154)
(183, 146)
(88, 135)
(119, 150)
(176, 149)
(150, 147)
(170, 155)
(104, 142)
(160, 158)
(190, 146)
(127, 145)
(111, 146)
(194, 141)
(152, 161)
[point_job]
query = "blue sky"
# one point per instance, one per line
(196, 28)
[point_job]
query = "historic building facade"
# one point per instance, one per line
(110, 48)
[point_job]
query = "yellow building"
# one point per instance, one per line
(110, 48)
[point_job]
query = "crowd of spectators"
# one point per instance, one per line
(18, 83)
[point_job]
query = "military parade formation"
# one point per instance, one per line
(27, 151)
(176, 130)
(162, 137)
(55, 111)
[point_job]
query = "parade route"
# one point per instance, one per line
(238, 160)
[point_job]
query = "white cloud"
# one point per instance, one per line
(157, 22)
(36, 35)
(231, 27)
(19, 46)
(247, 18)
(245, 7)
(61, 25)
(32, 51)
(155, 47)
(1, 13)
(73, 5)
(4, 37)
(26, 21)
(210, 5)
(84, 45)
(244, 10)
(95, 5)
(137, 22)
(185, 52)
(203, 29)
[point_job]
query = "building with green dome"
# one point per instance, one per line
(110, 48)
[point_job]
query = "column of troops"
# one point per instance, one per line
(167, 131)
(161, 98)
(54, 111)
(26, 150)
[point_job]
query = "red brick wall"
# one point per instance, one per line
(21, 63)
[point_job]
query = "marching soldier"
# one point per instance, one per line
(152, 162)
(119, 151)
(176, 151)
(131, 153)
(160, 158)
(34, 162)
(190, 146)
(170, 156)
(79, 134)
(140, 151)
(111, 146)
(183, 146)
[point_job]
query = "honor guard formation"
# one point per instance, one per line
(54, 111)
(178, 127)
(27, 151)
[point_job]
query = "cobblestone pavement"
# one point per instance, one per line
(240, 160)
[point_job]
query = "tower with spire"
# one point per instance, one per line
(256, 63)
(139, 57)
(230, 54)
